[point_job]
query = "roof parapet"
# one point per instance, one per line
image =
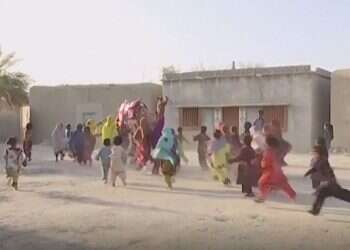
(323, 72)
(246, 72)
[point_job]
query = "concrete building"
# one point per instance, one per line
(297, 96)
(13, 121)
(340, 111)
(78, 103)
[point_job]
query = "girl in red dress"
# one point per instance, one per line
(272, 177)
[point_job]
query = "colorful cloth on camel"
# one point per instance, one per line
(143, 145)
(166, 148)
(130, 110)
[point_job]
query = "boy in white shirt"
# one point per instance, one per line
(117, 163)
(14, 158)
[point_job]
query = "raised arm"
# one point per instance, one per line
(238, 158)
(98, 156)
(185, 140)
(310, 171)
(165, 100)
(6, 157)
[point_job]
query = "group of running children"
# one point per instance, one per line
(262, 169)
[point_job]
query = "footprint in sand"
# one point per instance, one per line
(134, 242)
(254, 217)
(221, 218)
(257, 218)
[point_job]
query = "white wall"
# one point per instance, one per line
(294, 90)
(340, 108)
(13, 122)
(50, 105)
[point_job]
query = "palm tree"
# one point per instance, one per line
(13, 85)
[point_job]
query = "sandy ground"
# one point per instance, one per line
(65, 206)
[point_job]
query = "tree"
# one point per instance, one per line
(13, 85)
(169, 69)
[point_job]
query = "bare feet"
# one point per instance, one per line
(314, 213)
(250, 195)
(259, 200)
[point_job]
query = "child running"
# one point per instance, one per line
(272, 174)
(202, 138)
(320, 168)
(14, 158)
(117, 161)
(327, 185)
(166, 152)
(180, 140)
(329, 189)
(104, 155)
(247, 170)
(219, 153)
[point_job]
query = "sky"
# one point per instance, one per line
(126, 41)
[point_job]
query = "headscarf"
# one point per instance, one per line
(109, 129)
(166, 147)
(92, 125)
(58, 138)
(217, 144)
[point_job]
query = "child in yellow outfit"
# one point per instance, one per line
(219, 154)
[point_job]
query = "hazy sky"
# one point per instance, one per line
(81, 41)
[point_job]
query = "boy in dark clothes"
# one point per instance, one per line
(331, 189)
(322, 142)
(247, 174)
(319, 170)
(329, 186)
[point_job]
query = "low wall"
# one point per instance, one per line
(74, 104)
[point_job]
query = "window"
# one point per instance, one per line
(230, 116)
(88, 115)
(279, 113)
(189, 117)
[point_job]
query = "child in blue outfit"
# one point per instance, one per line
(167, 153)
(104, 155)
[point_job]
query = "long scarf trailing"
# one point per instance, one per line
(166, 148)
(109, 129)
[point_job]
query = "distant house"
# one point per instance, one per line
(77, 103)
(340, 104)
(297, 96)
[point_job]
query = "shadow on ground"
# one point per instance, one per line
(11, 239)
(57, 195)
